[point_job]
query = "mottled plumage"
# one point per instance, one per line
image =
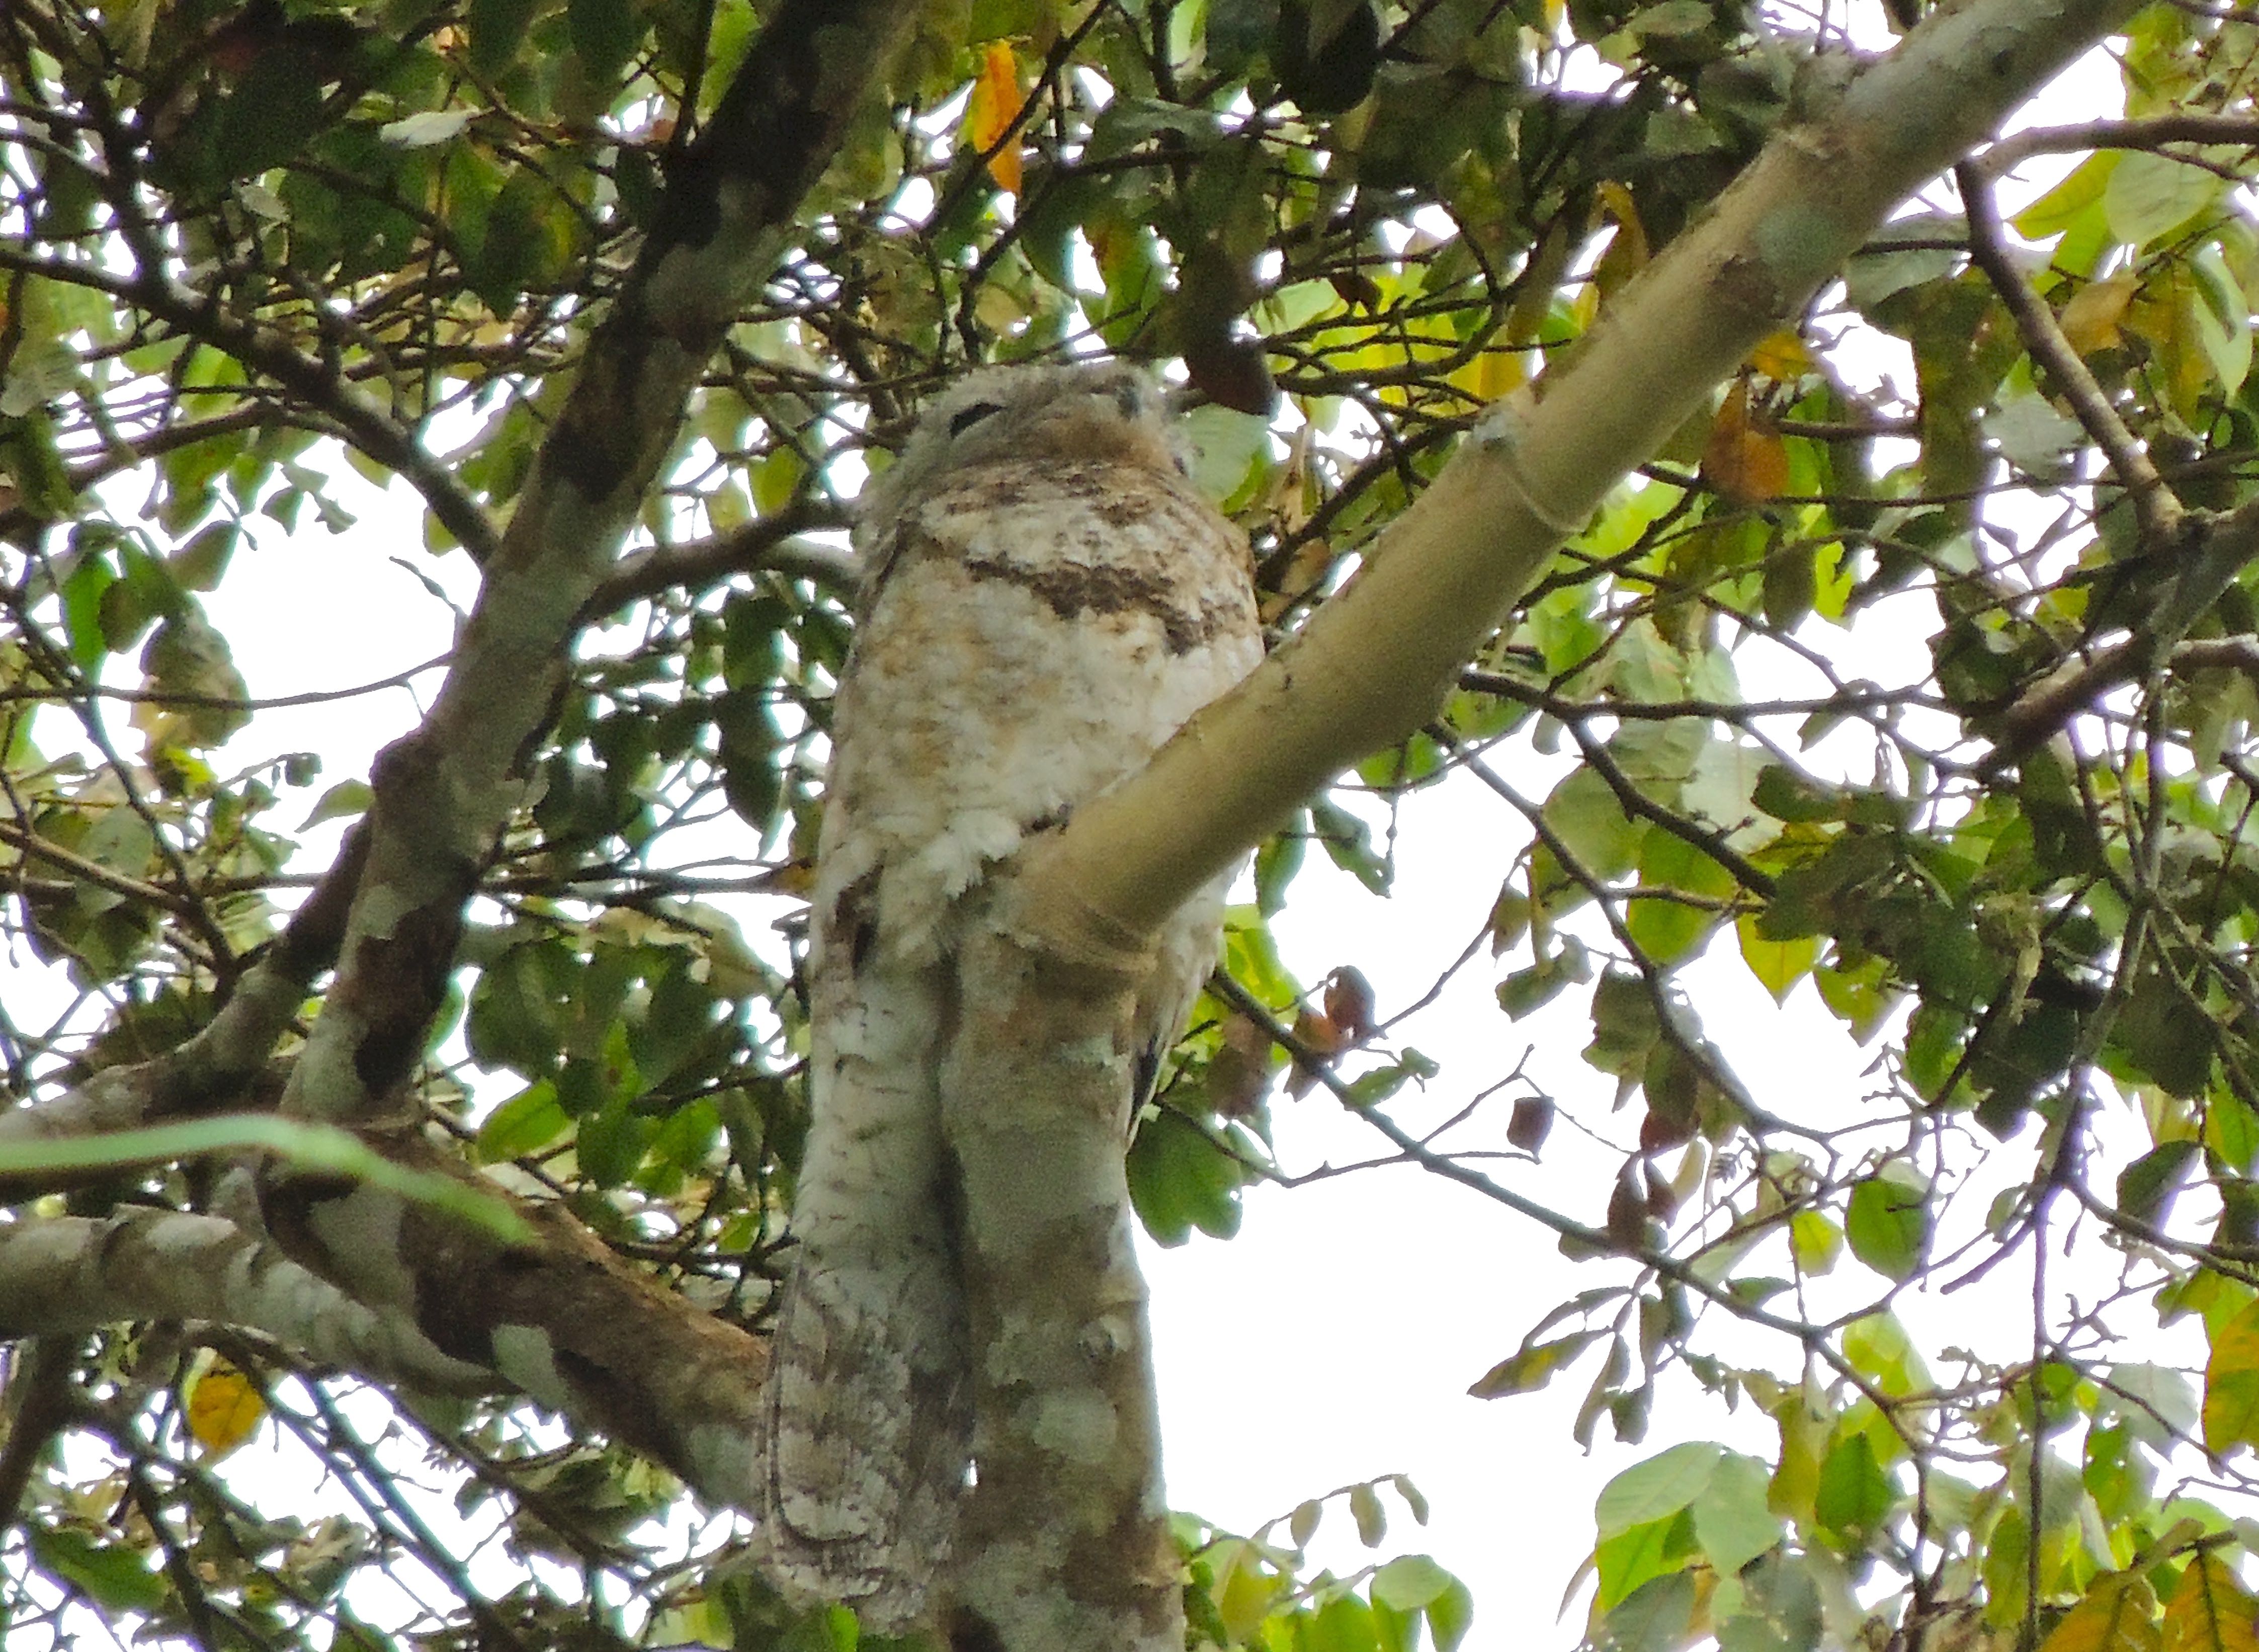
(1049, 600)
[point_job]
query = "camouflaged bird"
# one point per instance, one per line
(1048, 599)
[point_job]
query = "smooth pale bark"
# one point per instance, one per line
(1376, 662)
(74, 1273)
(422, 1304)
(1059, 1545)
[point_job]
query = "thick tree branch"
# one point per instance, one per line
(442, 793)
(1376, 661)
(66, 1274)
(406, 1298)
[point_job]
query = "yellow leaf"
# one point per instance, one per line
(2210, 1610)
(1490, 375)
(1778, 964)
(989, 113)
(1627, 253)
(2090, 320)
(2231, 1384)
(1782, 357)
(2117, 1615)
(1743, 459)
(224, 1407)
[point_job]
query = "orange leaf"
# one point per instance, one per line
(225, 1408)
(989, 113)
(2210, 1610)
(1743, 459)
(2116, 1616)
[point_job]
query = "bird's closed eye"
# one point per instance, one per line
(966, 417)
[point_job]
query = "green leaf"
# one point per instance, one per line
(1180, 1181)
(1344, 1624)
(1778, 964)
(1584, 814)
(526, 1124)
(1878, 1347)
(497, 32)
(1450, 1616)
(1656, 1616)
(2150, 194)
(1372, 1519)
(1888, 1221)
(2146, 1187)
(2221, 316)
(1732, 1519)
(1348, 841)
(346, 799)
(612, 1141)
(2069, 200)
(1532, 1366)
(110, 1575)
(605, 34)
(1660, 1487)
(1814, 1240)
(1629, 1560)
(1854, 1494)
(1409, 1582)
(1669, 931)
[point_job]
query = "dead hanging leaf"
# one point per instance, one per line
(1231, 371)
(224, 1407)
(1240, 1072)
(1349, 1003)
(989, 114)
(1744, 458)
(2090, 320)
(1531, 1123)
(1627, 1218)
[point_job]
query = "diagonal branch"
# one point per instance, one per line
(442, 793)
(1377, 660)
(2154, 505)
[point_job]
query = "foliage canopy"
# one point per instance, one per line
(241, 244)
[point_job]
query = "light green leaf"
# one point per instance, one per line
(1732, 1522)
(1410, 1582)
(2150, 194)
(1662, 1485)
(1888, 1223)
